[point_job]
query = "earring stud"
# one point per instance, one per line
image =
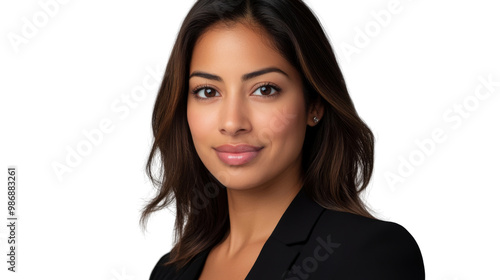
(315, 119)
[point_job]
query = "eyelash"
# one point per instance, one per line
(206, 86)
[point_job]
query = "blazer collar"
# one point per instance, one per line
(277, 254)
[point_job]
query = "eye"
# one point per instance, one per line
(268, 90)
(208, 91)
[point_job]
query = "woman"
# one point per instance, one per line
(264, 154)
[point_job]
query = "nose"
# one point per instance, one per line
(234, 118)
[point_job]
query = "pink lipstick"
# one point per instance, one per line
(237, 154)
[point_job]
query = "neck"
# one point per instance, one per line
(253, 214)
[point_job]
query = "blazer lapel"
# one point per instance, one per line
(285, 242)
(281, 248)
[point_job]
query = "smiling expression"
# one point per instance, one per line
(242, 91)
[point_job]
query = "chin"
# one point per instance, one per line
(237, 178)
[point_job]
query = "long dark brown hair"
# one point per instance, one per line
(338, 152)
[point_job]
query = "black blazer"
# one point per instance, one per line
(314, 243)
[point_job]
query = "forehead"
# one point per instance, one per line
(235, 46)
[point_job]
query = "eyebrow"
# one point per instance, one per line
(244, 78)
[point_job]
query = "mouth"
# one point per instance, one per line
(237, 155)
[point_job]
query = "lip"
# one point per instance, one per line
(237, 154)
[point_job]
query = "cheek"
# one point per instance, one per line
(201, 131)
(281, 123)
(200, 122)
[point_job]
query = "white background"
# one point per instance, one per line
(75, 70)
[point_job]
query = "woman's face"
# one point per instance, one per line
(227, 105)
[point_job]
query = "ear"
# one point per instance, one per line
(316, 109)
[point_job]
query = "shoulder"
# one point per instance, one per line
(360, 226)
(374, 246)
(160, 270)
